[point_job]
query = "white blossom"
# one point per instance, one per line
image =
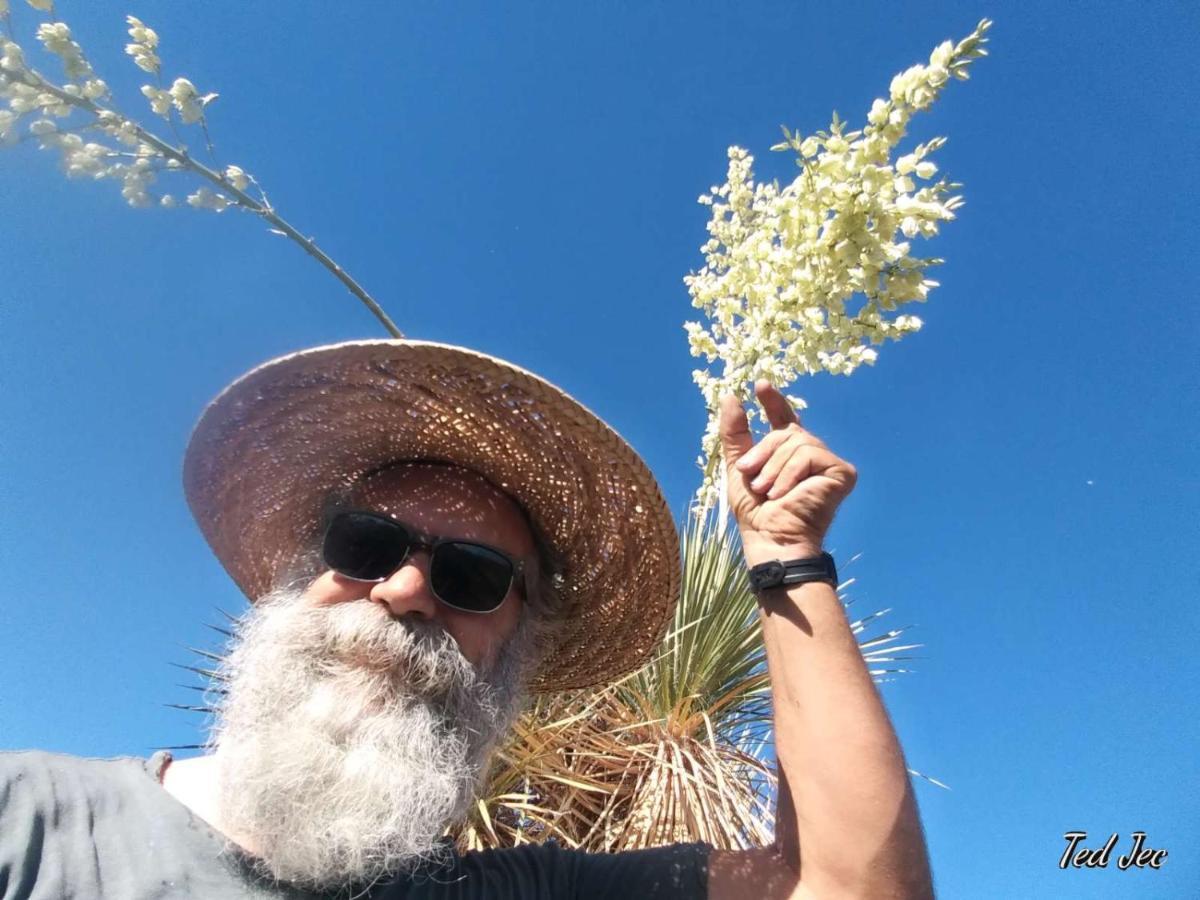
(144, 58)
(123, 130)
(142, 49)
(206, 199)
(160, 100)
(56, 38)
(136, 178)
(187, 100)
(79, 158)
(235, 176)
(95, 89)
(23, 98)
(782, 263)
(43, 5)
(140, 33)
(11, 57)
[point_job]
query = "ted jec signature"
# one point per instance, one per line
(1138, 857)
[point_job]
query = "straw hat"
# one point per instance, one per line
(267, 451)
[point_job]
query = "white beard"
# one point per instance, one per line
(348, 741)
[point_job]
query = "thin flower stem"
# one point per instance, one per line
(174, 130)
(212, 154)
(243, 199)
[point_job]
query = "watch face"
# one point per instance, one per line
(776, 573)
(765, 575)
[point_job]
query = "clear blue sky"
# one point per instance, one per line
(524, 181)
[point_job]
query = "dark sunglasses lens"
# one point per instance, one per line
(364, 546)
(470, 577)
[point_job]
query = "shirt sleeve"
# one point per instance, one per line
(534, 872)
(32, 808)
(674, 872)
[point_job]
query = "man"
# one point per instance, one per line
(428, 534)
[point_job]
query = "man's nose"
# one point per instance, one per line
(408, 590)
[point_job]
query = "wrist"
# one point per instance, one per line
(758, 551)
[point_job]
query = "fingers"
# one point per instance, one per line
(779, 412)
(794, 458)
(785, 424)
(734, 429)
(753, 460)
(737, 440)
(809, 460)
(764, 481)
(798, 467)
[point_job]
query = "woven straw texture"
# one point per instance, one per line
(270, 447)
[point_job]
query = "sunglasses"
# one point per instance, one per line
(464, 575)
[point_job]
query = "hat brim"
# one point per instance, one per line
(270, 448)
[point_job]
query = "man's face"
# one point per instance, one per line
(358, 718)
(448, 502)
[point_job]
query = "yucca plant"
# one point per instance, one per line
(678, 751)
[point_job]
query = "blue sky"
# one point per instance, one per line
(522, 179)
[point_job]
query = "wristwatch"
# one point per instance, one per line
(775, 573)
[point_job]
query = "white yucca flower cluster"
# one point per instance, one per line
(78, 118)
(781, 264)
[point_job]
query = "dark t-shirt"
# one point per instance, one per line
(105, 829)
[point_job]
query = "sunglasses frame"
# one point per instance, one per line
(420, 540)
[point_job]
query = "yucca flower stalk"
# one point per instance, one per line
(679, 750)
(781, 264)
(78, 117)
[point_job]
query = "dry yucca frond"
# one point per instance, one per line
(675, 752)
(590, 772)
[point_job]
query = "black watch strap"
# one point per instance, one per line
(776, 573)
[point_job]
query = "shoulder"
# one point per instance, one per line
(26, 771)
(36, 780)
(45, 798)
(31, 767)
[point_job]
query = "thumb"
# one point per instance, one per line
(734, 429)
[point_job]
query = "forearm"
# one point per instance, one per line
(849, 820)
(847, 823)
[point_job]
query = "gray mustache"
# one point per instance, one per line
(420, 652)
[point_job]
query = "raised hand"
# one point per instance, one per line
(784, 490)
